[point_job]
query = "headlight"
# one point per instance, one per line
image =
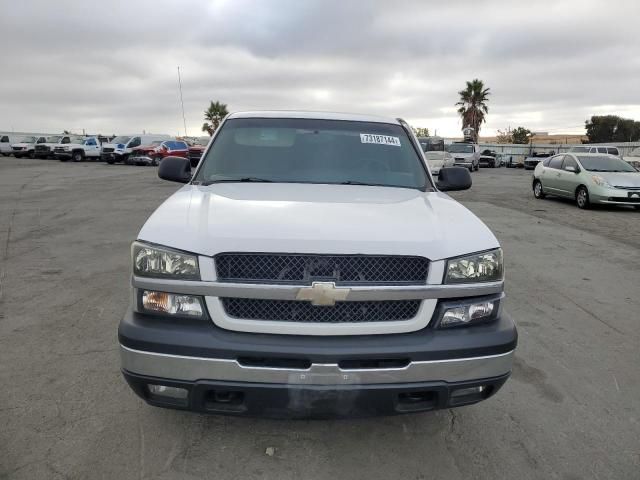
(468, 312)
(479, 267)
(159, 262)
(598, 180)
(172, 304)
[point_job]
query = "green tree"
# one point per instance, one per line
(421, 131)
(504, 136)
(521, 135)
(612, 128)
(213, 116)
(473, 105)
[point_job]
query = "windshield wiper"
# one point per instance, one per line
(356, 182)
(237, 180)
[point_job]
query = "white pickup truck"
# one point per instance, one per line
(312, 266)
(26, 146)
(88, 148)
(45, 149)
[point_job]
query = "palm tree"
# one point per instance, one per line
(473, 105)
(213, 116)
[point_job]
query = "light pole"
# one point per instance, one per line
(184, 121)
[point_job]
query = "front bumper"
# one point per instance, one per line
(140, 160)
(293, 376)
(464, 163)
(614, 196)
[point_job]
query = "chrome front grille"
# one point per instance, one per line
(107, 150)
(305, 312)
(305, 268)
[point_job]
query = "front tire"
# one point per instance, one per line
(77, 156)
(582, 198)
(538, 192)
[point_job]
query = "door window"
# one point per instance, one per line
(569, 161)
(613, 151)
(91, 142)
(65, 140)
(4, 139)
(556, 162)
(135, 142)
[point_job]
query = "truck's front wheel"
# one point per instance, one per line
(78, 156)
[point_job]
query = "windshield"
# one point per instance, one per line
(54, 139)
(28, 140)
(460, 148)
(313, 151)
(122, 139)
(604, 164)
(79, 140)
(175, 145)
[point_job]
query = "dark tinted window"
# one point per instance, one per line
(135, 142)
(4, 139)
(556, 162)
(613, 151)
(313, 151)
(604, 163)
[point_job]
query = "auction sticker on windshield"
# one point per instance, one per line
(380, 139)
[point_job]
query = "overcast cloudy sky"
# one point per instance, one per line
(110, 66)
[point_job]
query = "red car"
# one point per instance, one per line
(154, 153)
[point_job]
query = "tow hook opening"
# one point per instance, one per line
(224, 400)
(417, 400)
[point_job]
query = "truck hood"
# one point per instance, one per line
(462, 155)
(620, 179)
(307, 218)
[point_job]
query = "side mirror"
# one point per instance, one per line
(175, 169)
(453, 178)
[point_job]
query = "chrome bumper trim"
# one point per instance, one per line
(177, 367)
(290, 292)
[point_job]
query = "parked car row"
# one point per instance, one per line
(129, 149)
(463, 154)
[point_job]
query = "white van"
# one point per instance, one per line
(120, 147)
(5, 144)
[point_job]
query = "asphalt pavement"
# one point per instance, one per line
(570, 411)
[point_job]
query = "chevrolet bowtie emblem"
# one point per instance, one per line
(323, 294)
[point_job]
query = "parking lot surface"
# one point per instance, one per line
(570, 411)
